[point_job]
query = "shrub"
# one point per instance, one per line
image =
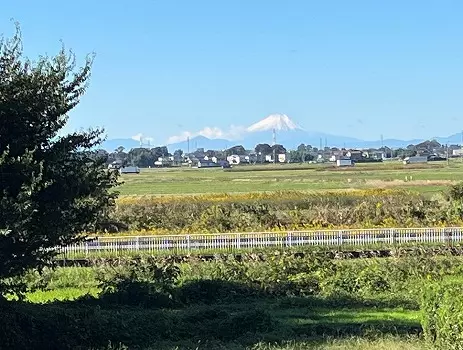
(442, 319)
(141, 282)
(211, 291)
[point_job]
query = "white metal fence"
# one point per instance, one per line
(236, 241)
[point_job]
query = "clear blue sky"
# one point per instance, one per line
(353, 68)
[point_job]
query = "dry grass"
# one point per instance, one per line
(387, 343)
(252, 196)
(378, 343)
(398, 183)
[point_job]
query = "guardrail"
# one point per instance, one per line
(237, 241)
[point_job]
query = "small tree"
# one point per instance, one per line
(52, 188)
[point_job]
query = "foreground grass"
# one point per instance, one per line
(62, 294)
(283, 302)
(354, 343)
(427, 178)
(388, 343)
(211, 310)
(270, 323)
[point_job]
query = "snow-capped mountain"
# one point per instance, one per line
(287, 133)
(274, 121)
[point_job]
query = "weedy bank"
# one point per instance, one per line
(280, 211)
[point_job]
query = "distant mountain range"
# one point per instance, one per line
(286, 133)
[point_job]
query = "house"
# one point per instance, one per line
(336, 154)
(387, 151)
(191, 159)
(234, 159)
(280, 158)
(354, 155)
(164, 161)
(374, 154)
(117, 164)
(237, 159)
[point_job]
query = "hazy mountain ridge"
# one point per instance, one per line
(287, 133)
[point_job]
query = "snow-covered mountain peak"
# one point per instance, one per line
(274, 121)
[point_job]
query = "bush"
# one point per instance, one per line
(212, 291)
(442, 318)
(141, 282)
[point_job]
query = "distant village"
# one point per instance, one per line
(264, 153)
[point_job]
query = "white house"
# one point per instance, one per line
(236, 159)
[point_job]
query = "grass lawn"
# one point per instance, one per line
(293, 323)
(424, 178)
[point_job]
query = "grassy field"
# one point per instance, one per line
(424, 178)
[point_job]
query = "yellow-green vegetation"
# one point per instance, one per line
(280, 211)
(424, 178)
(443, 314)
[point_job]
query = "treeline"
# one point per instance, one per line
(141, 157)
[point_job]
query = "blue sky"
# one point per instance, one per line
(165, 68)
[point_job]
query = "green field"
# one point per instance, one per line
(424, 178)
(225, 304)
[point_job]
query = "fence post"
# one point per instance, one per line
(137, 243)
(392, 236)
(288, 239)
(448, 235)
(340, 237)
(188, 243)
(86, 248)
(238, 241)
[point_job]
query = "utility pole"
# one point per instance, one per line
(448, 159)
(461, 145)
(188, 143)
(274, 146)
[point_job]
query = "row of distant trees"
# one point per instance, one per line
(145, 157)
